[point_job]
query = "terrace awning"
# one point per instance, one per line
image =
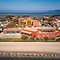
(26, 32)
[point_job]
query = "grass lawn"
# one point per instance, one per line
(22, 40)
(14, 40)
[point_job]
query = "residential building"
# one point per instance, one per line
(35, 23)
(28, 22)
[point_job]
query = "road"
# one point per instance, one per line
(53, 47)
(30, 49)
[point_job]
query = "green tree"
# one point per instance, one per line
(24, 37)
(50, 19)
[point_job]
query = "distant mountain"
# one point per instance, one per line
(53, 12)
(41, 12)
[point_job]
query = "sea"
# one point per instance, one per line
(3, 15)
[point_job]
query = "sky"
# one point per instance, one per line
(29, 5)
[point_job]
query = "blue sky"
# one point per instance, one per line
(29, 5)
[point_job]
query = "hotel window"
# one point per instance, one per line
(34, 35)
(8, 31)
(12, 32)
(28, 34)
(50, 30)
(22, 33)
(17, 31)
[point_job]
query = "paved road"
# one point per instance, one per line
(31, 46)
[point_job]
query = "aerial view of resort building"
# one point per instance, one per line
(30, 27)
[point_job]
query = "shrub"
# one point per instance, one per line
(24, 37)
(32, 39)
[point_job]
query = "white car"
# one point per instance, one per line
(0, 29)
(58, 28)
